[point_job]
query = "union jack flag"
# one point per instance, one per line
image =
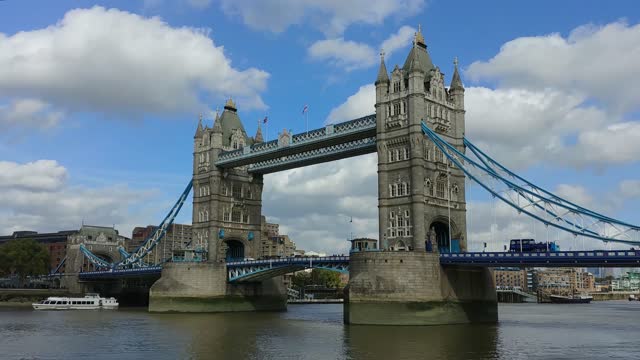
(305, 109)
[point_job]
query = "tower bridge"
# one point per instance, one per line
(422, 273)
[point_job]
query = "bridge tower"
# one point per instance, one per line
(227, 206)
(421, 206)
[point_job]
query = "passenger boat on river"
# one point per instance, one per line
(90, 301)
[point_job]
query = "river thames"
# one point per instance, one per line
(526, 331)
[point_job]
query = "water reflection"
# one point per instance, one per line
(411, 342)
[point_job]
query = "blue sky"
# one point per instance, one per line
(99, 101)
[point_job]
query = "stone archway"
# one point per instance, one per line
(400, 246)
(234, 251)
(439, 231)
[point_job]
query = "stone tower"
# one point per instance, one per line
(226, 202)
(227, 218)
(421, 208)
(419, 190)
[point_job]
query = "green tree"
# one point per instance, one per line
(24, 257)
(326, 278)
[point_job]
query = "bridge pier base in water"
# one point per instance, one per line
(412, 288)
(203, 287)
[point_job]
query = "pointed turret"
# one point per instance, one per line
(258, 137)
(199, 130)
(217, 128)
(456, 83)
(383, 76)
(418, 58)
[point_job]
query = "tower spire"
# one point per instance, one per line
(418, 39)
(383, 76)
(259, 137)
(456, 82)
(199, 130)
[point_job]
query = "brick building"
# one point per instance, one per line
(178, 237)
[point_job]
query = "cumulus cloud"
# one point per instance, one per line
(597, 61)
(352, 55)
(27, 114)
(360, 104)
(330, 16)
(322, 199)
(37, 196)
(112, 61)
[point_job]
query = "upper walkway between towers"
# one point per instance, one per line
(332, 142)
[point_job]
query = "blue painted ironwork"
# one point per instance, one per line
(258, 270)
(330, 135)
(537, 204)
(57, 269)
(143, 250)
(120, 273)
(597, 258)
(316, 156)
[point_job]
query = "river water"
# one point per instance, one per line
(525, 331)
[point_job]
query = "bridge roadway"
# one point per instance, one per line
(256, 270)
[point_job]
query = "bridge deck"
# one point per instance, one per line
(257, 270)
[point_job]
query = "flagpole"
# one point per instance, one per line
(307, 120)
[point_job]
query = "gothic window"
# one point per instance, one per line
(236, 215)
(440, 186)
(429, 187)
(226, 215)
(393, 190)
(224, 189)
(236, 190)
(389, 157)
(404, 107)
(406, 153)
(245, 218)
(389, 110)
(396, 86)
(249, 193)
(207, 158)
(206, 215)
(396, 109)
(454, 193)
(397, 154)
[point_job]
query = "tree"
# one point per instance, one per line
(326, 278)
(24, 257)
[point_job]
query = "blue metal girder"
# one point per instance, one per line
(330, 135)
(120, 273)
(258, 270)
(316, 156)
(598, 258)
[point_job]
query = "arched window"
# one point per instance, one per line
(397, 154)
(406, 153)
(394, 190)
(390, 157)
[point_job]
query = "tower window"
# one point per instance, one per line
(236, 190)
(236, 215)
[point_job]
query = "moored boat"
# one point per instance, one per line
(88, 302)
(573, 299)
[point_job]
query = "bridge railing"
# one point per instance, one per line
(289, 260)
(559, 258)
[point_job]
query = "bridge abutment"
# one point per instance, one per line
(203, 287)
(412, 288)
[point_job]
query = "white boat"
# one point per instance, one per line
(88, 302)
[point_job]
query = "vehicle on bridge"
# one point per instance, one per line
(530, 245)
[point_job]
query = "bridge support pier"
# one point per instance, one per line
(412, 288)
(203, 287)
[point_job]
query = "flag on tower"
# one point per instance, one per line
(264, 121)
(305, 109)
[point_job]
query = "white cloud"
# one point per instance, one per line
(320, 201)
(37, 196)
(521, 127)
(28, 113)
(630, 189)
(330, 16)
(352, 55)
(41, 175)
(596, 61)
(112, 61)
(360, 104)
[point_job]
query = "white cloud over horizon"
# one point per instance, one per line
(331, 17)
(39, 196)
(351, 55)
(115, 62)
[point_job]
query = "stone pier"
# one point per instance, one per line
(412, 288)
(203, 287)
